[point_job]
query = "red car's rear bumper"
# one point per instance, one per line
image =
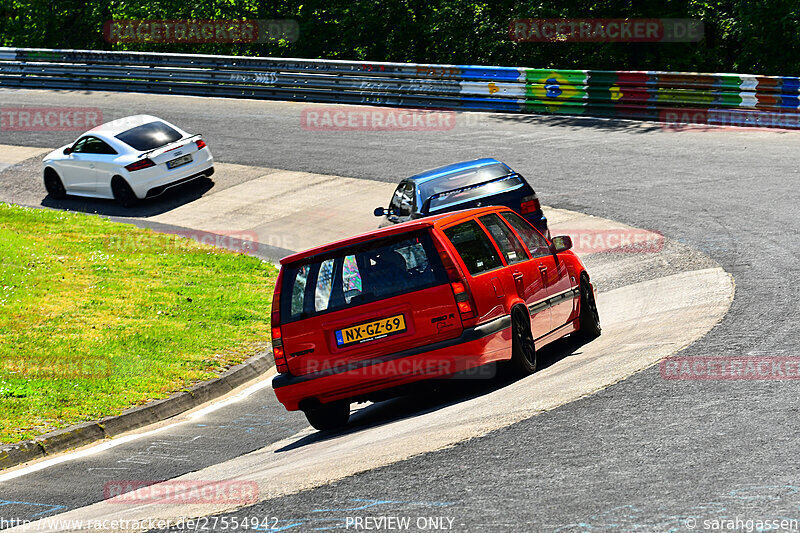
(474, 347)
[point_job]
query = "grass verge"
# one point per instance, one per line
(97, 316)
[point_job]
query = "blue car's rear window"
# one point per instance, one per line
(465, 194)
(465, 178)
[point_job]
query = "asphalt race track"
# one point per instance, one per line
(643, 454)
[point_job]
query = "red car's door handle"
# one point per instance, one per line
(543, 272)
(517, 276)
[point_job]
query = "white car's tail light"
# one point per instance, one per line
(200, 144)
(139, 165)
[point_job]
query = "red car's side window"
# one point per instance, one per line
(508, 243)
(536, 244)
(474, 247)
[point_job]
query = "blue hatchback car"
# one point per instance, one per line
(482, 182)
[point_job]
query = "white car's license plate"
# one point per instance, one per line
(180, 161)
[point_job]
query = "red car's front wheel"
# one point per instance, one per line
(589, 317)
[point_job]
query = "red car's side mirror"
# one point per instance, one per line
(562, 243)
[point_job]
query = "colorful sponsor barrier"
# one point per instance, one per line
(673, 97)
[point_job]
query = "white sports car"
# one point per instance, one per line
(128, 159)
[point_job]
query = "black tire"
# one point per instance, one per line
(123, 193)
(328, 416)
(54, 185)
(523, 349)
(589, 317)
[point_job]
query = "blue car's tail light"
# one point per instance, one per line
(530, 204)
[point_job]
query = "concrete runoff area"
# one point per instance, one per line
(11, 155)
(291, 210)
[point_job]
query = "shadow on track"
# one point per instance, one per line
(583, 122)
(430, 396)
(172, 198)
(621, 124)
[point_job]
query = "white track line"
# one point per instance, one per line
(107, 445)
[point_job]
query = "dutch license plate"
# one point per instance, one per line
(182, 160)
(370, 331)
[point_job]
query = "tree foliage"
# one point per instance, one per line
(740, 36)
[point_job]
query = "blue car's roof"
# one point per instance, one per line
(454, 168)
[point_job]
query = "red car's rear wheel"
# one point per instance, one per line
(523, 350)
(328, 415)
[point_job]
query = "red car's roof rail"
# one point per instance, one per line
(397, 229)
(405, 227)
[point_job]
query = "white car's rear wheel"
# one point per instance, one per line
(123, 193)
(54, 185)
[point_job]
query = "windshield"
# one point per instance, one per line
(149, 136)
(373, 271)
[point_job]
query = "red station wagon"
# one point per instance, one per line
(423, 299)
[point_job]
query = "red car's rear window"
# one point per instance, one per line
(354, 276)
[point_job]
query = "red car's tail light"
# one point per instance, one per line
(463, 299)
(457, 283)
(530, 204)
(280, 359)
(277, 337)
(139, 165)
(453, 274)
(200, 144)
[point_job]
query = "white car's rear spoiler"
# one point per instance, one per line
(170, 146)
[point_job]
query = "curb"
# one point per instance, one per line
(135, 417)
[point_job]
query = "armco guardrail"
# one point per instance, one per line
(722, 99)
